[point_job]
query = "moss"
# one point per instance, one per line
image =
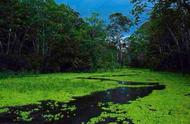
(59, 87)
(169, 106)
(4, 110)
(25, 116)
(53, 117)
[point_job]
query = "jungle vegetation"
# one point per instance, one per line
(43, 36)
(163, 42)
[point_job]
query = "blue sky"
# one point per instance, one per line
(103, 7)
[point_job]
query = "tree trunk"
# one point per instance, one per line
(8, 42)
(185, 37)
(15, 42)
(178, 47)
(34, 45)
(22, 41)
(1, 47)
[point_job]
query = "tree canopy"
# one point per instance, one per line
(44, 36)
(165, 36)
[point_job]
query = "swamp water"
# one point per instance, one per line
(81, 109)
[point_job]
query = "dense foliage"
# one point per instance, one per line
(38, 35)
(44, 36)
(163, 42)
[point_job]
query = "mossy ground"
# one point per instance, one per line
(60, 87)
(169, 106)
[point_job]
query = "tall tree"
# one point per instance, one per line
(171, 39)
(119, 24)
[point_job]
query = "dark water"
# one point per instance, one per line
(86, 106)
(116, 75)
(188, 94)
(120, 82)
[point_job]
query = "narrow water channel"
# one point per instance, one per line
(86, 107)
